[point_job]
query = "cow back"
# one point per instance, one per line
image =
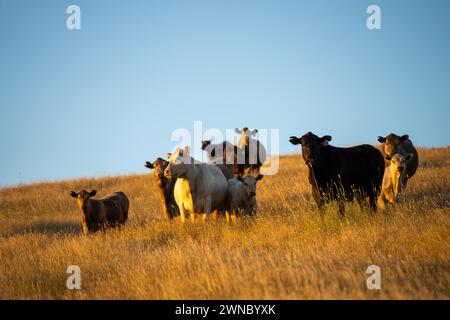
(360, 167)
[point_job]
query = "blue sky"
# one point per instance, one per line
(104, 99)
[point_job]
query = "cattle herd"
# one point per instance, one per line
(226, 184)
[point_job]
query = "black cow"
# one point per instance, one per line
(342, 174)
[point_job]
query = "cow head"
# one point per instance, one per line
(180, 156)
(245, 135)
(249, 182)
(84, 199)
(392, 143)
(209, 148)
(311, 146)
(205, 144)
(398, 162)
(158, 167)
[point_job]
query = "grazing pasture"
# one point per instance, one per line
(289, 251)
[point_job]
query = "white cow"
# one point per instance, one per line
(393, 179)
(200, 188)
(254, 153)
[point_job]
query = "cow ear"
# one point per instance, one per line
(409, 156)
(381, 139)
(93, 193)
(168, 154)
(238, 131)
(240, 178)
(326, 138)
(187, 151)
(177, 151)
(404, 137)
(294, 140)
(388, 158)
(259, 177)
(74, 194)
(205, 143)
(148, 164)
(254, 132)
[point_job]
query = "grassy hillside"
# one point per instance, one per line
(289, 252)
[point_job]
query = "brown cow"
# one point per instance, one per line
(100, 214)
(165, 186)
(393, 144)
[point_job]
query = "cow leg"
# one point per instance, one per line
(228, 217)
(182, 213)
(405, 179)
(85, 229)
(255, 169)
(373, 203)
(207, 209)
(381, 201)
(241, 169)
(319, 200)
(397, 188)
(321, 205)
(231, 216)
(341, 209)
(235, 168)
(166, 213)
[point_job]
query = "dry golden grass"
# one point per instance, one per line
(289, 252)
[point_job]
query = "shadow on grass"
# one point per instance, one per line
(433, 164)
(46, 228)
(425, 200)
